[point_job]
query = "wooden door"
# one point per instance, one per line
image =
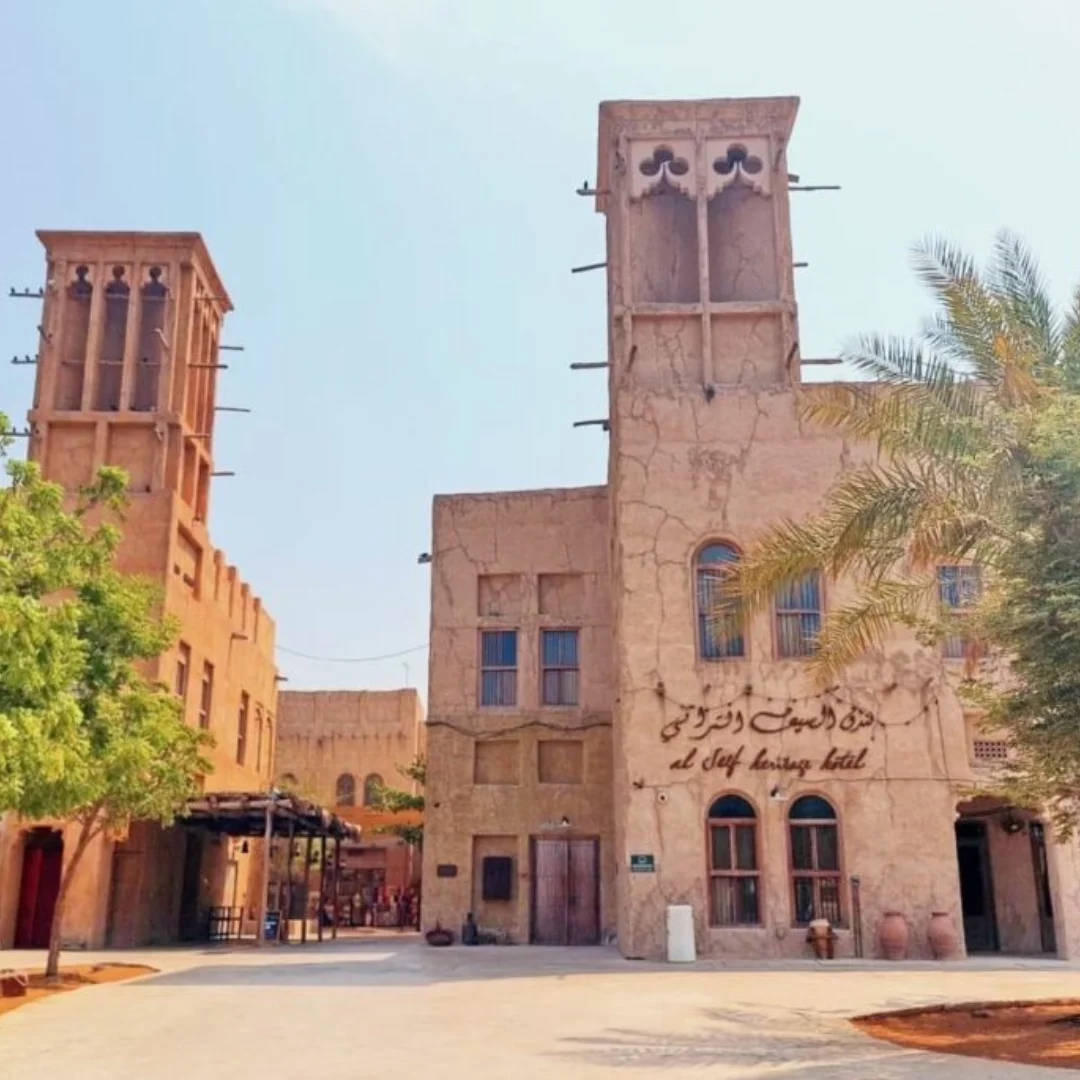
(123, 899)
(550, 889)
(190, 888)
(43, 857)
(583, 899)
(1042, 887)
(28, 895)
(565, 891)
(976, 887)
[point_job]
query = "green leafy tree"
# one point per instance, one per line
(974, 423)
(1031, 613)
(84, 735)
(397, 801)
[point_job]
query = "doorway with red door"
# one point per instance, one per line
(43, 857)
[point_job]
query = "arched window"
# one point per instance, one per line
(153, 296)
(345, 790)
(113, 340)
(815, 860)
(720, 633)
(372, 783)
(76, 328)
(734, 878)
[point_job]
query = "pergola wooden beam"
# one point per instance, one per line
(271, 814)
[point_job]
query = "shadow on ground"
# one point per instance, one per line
(752, 1043)
(382, 962)
(405, 961)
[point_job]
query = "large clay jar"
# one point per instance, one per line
(893, 936)
(941, 933)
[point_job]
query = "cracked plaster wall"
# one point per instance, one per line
(684, 471)
(555, 544)
(742, 248)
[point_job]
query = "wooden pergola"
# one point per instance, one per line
(269, 815)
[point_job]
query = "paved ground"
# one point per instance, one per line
(392, 1007)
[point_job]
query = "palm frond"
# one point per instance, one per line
(866, 528)
(1015, 276)
(1070, 344)
(942, 266)
(973, 328)
(782, 555)
(856, 628)
(904, 419)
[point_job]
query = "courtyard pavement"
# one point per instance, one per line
(390, 1006)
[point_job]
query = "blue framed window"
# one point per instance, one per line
(720, 634)
(559, 667)
(798, 617)
(498, 667)
(958, 588)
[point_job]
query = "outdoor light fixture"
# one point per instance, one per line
(244, 848)
(564, 823)
(1011, 823)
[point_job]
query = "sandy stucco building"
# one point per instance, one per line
(598, 750)
(127, 375)
(336, 747)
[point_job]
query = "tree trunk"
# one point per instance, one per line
(52, 965)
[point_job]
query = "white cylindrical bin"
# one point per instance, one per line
(680, 934)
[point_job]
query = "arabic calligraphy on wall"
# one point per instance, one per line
(725, 761)
(698, 726)
(789, 721)
(849, 720)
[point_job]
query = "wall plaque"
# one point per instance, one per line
(446, 870)
(642, 864)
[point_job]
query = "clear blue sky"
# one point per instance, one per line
(387, 189)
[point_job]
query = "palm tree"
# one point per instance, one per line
(953, 415)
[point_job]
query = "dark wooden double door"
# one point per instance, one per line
(565, 891)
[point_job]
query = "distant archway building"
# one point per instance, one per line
(338, 747)
(599, 747)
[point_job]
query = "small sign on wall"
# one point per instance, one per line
(446, 870)
(642, 864)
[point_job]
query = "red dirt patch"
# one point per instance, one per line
(1028, 1032)
(73, 978)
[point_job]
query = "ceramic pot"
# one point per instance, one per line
(821, 937)
(942, 935)
(13, 983)
(893, 936)
(439, 936)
